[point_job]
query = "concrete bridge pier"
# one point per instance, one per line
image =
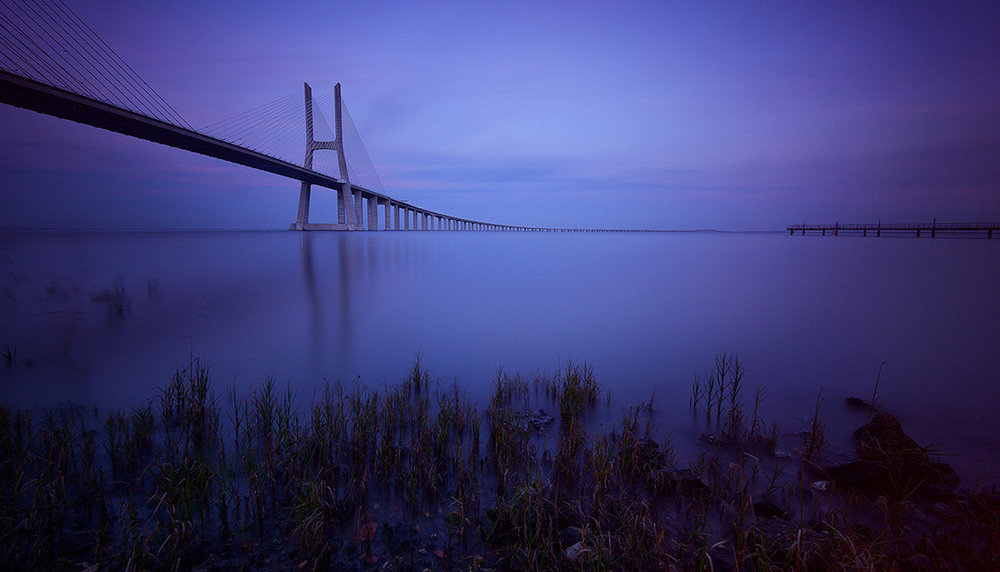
(359, 210)
(302, 217)
(342, 194)
(373, 213)
(385, 211)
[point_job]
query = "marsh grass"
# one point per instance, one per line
(188, 475)
(814, 438)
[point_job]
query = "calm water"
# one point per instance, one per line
(104, 318)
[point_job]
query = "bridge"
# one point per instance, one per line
(51, 62)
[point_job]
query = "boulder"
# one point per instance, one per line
(891, 464)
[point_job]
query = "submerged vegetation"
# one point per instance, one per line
(417, 476)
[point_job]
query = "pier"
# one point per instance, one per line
(929, 229)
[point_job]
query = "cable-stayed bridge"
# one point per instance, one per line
(52, 62)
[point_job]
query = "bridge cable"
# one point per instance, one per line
(272, 129)
(42, 23)
(34, 33)
(123, 65)
(46, 41)
(63, 77)
(108, 77)
(358, 158)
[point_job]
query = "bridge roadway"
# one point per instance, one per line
(29, 94)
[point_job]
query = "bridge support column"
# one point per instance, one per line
(388, 218)
(302, 218)
(359, 209)
(342, 193)
(406, 219)
(395, 209)
(373, 213)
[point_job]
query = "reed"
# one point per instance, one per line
(814, 438)
(174, 477)
(9, 355)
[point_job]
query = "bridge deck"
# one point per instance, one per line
(29, 94)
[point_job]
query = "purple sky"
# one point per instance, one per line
(606, 114)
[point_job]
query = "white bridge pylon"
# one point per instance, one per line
(347, 213)
(352, 200)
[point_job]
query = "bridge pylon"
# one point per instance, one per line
(347, 211)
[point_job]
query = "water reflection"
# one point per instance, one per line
(649, 312)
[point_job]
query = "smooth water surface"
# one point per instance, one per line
(105, 318)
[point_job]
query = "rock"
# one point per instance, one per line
(570, 535)
(821, 486)
(366, 532)
(710, 439)
(577, 552)
(476, 563)
(778, 537)
(917, 562)
(882, 440)
(984, 504)
(863, 476)
(891, 464)
(719, 441)
(942, 510)
(938, 491)
(946, 474)
(692, 485)
(647, 444)
(536, 421)
(815, 471)
(767, 509)
(540, 420)
(859, 404)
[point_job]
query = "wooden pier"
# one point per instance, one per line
(930, 229)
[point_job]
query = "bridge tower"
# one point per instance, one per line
(347, 211)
